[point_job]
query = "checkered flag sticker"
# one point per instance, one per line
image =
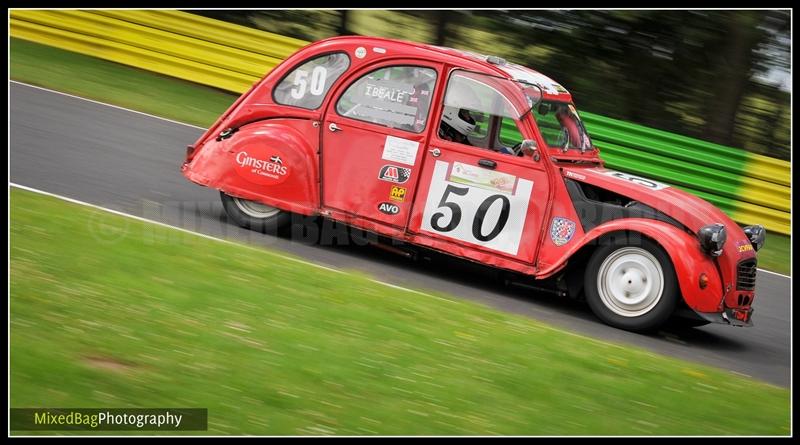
(561, 230)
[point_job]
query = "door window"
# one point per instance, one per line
(395, 97)
(476, 105)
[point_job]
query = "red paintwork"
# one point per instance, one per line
(690, 211)
(215, 165)
(687, 258)
(336, 173)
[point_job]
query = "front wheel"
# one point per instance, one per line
(254, 215)
(631, 285)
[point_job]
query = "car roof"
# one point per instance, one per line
(476, 62)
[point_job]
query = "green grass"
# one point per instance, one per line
(186, 102)
(112, 312)
(776, 253)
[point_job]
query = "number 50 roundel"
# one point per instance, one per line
(476, 205)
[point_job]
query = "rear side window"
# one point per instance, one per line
(307, 85)
(395, 97)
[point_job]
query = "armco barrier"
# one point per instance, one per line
(188, 46)
(749, 187)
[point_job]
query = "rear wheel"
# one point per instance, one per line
(631, 285)
(254, 215)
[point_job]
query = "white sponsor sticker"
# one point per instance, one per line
(644, 182)
(400, 150)
(478, 215)
(361, 52)
(481, 177)
(574, 175)
(379, 50)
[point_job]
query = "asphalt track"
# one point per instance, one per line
(129, 162)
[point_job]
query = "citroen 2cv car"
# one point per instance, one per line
(478, 158)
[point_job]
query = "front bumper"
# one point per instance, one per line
(730, 316)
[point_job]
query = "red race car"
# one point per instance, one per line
(478, 158)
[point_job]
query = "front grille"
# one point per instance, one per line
(746, 275)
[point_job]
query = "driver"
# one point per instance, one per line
(457, 123)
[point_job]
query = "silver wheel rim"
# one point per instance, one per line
(630, 282)
(255, 209)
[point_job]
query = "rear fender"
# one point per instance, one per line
(683, 249)
(268, 161)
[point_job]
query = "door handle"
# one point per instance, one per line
(333, 127)
(487, 163)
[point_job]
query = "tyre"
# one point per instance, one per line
(631, 285)
(254, 215)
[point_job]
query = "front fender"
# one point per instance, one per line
(272, 162)
(683, 249)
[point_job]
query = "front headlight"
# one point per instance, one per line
(757, 235)
(712, 238)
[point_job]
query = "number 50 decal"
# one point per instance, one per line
(644, 182)
(476, 214)
(317, 86)
(477, 223)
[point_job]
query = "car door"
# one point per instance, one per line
(473, 199)
(373, 137)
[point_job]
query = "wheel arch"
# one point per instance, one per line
(682, 248)
(215, 165)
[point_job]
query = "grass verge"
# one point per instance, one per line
(185, 101)
(775, 254)
(117, 84)
(112, 312)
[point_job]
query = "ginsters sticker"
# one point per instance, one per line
(261, 165)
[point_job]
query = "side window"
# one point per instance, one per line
(307, 85)
(395, 97)
(548, 125)
(478, 113)
(561, 127)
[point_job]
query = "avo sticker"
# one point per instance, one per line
(260, 165)
(388, 208)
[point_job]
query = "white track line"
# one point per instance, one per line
(394, 286)
(775, 273)
(106, 104)
(202, 235)
(193, 126)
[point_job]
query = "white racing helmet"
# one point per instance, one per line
(461, 97)
(459, 120)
